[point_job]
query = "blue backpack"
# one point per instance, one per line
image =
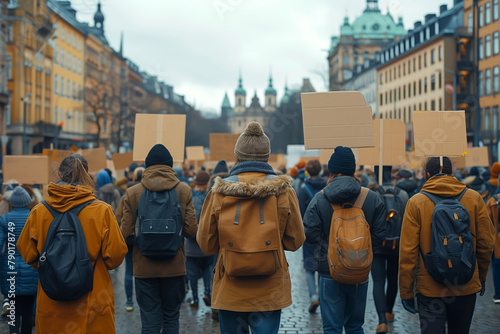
(158, 225)
(64, 268)
(452, 260)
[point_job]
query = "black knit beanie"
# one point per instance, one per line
(342, 161)
(159, 155)
(221, 167)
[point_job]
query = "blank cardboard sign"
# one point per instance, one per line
(477, 157)
(222, 146)
(393, 140)
(122, 161)
(195, 153)
(336, 118)
(25, 169)
(439, 133)
(96, 159)
(169, 130)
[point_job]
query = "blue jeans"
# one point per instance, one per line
(495, 264)
(129, 266)
(342, 306)
(160, 301)
(311, 285)
(239, 322)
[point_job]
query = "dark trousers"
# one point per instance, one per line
(385, 267)
(129, 266)
(160, 300)
(23, 323)
(495, 264)
(435, 312)
(196, 268)
(239, 322)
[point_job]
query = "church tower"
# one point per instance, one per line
(240, 98)
(270, 104)
(99, 18)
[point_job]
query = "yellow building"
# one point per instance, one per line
(483, 20)
(68, 73)
(105, 74)
(429, 69)
(29, 66)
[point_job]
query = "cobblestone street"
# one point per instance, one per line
(295, 319)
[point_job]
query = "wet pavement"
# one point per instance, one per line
(296, 318)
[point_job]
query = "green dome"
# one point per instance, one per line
(373, 25)
(270, 90)
(240, 90)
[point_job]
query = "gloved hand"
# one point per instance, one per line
(409, 305)
(483, 288)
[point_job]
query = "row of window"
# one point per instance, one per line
(489, 114)
(73, 121)
(66, 36)
(405, 113)
(487, 84)
(410, 42)
(413, 90)
(75, 94)
(66, 61)
(346, 60)
(485, 49)
(485, 15)
(391, 74)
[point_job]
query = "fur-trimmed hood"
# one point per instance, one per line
(254, 188)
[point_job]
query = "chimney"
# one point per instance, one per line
(429, 17)
(417, 24)
(442, 9)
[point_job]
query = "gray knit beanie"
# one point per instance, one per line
(253, 144)
(20, 198)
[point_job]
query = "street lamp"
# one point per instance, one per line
(26, 101)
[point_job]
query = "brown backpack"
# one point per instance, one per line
(249, 236)
(350, 253)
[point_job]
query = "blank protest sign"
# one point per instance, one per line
(334, 119)
(439, 133)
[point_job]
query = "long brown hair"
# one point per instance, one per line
(74, 169)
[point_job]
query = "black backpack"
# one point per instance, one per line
(452, 260)
(64, 268)
(393, 218)
(158, 224)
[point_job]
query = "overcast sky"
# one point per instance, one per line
(199, 46)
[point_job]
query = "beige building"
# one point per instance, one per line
(424, 71)
(361, 41)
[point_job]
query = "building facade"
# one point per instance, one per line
(68, 74)
(365, 82)
(482, 19)
(361, 42)
(29, 75)
(429, 69)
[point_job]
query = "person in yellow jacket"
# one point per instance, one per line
(438, 304)
(95, 311)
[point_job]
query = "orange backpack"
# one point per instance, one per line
(350, 253)
(249, 236)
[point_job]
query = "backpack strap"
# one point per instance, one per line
(361, 197)
(309, 191)
(76, 210)
(436, 199)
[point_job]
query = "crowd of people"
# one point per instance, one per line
(428, 233)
